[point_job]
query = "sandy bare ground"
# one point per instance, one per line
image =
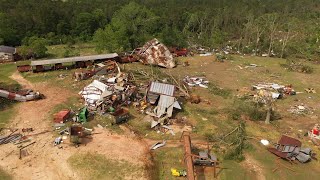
(48, 162)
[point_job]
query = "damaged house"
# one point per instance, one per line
(156, 53)
(7, 53)
(162, 95)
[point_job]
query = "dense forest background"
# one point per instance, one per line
(273, 27)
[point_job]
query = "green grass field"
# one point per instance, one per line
(96, 166)
(7, 106)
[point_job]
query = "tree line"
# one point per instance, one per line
(272, 27)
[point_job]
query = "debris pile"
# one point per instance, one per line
(196, 81)
(315, 132)
(11, 138)
(99, 69)
(300, 109)
(277, 91)
(156, 53)
(310, 90)
(161, 96)
(291, 149)
(108, 93)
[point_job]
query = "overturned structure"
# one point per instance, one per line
(156, 53)
(27, 95)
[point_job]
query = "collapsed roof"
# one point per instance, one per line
(156, 53)
(7, 49)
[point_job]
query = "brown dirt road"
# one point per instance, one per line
(48, 162)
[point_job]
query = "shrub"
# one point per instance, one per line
(214, 89)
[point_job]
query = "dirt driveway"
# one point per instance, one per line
(48, 162)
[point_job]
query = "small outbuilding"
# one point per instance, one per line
(7, 53)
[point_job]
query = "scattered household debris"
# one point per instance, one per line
(251, 66)
(310, 90)
(23, 95)
(78, 133)
(62, 76)
(276, 91)
(180, 51)
(24, 152)
(156, 53)
(314, 134)
(104, 68)
(57, 141)
(290, 149)
(300, 109)
(178, 173)
(185, 64)
(286, 90)
(158, 145)
(27, 130)
(265, 142)
(205, 159)
(196, 81)
(62, 116)
(128, 58)
(120, 115)
(206, 54)
(82, 116)
(13, 137)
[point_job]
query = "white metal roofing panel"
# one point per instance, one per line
(73, 59)
(165, 105)
(161, 88)
(101, 86)
(166, 101)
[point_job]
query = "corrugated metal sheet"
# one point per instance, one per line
(74, 59)
(161, 88)
(165, 105)
(7, 49)
(154, 52)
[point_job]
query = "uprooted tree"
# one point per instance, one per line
(236, 141)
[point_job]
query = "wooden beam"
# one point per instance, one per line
(188, 157)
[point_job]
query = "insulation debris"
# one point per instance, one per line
(196, 81)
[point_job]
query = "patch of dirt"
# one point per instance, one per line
(48, 162)
(253, 166)
(23, 82)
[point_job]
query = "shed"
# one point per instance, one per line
(7, 53)
(79, 62)
(156, 89)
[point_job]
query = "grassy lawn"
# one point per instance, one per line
(165, 159)
(61, 51)
(96, 166)
(4, 175)
(6, 106)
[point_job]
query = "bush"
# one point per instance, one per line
(307, 69)
(254, 111)
(214, 89)
(297, 66)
